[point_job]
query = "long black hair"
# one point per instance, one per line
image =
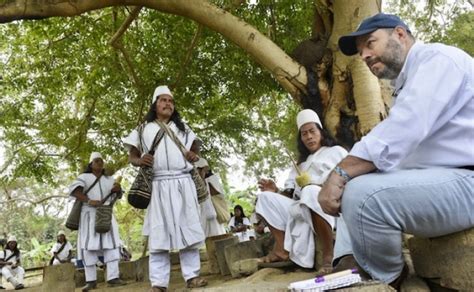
(241, 219)
(89, 169)
(15, 251)
(175, 116)
(303, 152)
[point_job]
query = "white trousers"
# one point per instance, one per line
(14, 276)
(160, 266)
(112, 271)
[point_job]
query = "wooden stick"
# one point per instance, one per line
(293, 161)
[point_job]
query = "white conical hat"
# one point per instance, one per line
(307, 116)
(11, 238)
(61, 233)
(162, 89)
(95, 155)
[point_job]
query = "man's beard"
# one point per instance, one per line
(392, 58)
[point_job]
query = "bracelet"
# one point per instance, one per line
(342, 173)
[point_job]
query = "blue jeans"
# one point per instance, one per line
(377, 208)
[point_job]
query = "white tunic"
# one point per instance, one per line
(7, 253)
(293, 215)
(63, 255)
(172, 218)
(87, 238)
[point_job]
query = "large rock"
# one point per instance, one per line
(243, 267)
(220, 253)
(448, 258)
(80, 278)
(59, 278)
(241, 251)
(211, 252)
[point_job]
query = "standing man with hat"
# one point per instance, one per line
(10, 264)
(413, 172)
(94, 188)
(172, 217)
(61, 250)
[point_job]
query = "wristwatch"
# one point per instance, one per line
(342, 173)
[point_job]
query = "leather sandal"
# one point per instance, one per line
(196, 282)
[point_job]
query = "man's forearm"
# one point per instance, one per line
(355, 166)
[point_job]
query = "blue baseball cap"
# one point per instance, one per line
(347, 43)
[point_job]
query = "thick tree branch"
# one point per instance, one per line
(125, 25)
(286, 71)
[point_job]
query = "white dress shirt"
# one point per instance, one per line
(431, 123)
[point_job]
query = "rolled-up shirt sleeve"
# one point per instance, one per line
(419, 110)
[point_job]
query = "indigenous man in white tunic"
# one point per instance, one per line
(172, 218)
(91, 187)
(209, 222)
(10, 264)
(61, 250)
(294, 221)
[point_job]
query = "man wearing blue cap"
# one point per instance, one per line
(413, 172)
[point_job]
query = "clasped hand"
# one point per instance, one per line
(331, 194)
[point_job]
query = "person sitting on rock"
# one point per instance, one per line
(61, 250)
(294, 215)
(11, 265)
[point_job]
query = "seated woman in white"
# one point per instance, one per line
(294, 215)
(61, 250)
(10, 264)
(239, 224)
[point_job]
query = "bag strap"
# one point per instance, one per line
(159, 135)
(12, 255)
(96, 180)
(62, 247)
(173, 136)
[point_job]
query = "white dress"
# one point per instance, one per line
(172, 218)
(88, 241)
(293, 215)
(63, 254)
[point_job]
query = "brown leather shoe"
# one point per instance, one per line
(397, 283)
(349, 262)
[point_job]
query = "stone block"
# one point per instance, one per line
(243, 267)
(414, 284)
(127, 271)
(141, 269)
(59, 278)
(220, 253)
(448, 258)
(211, 252)
(368, 286)
(241, 251)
